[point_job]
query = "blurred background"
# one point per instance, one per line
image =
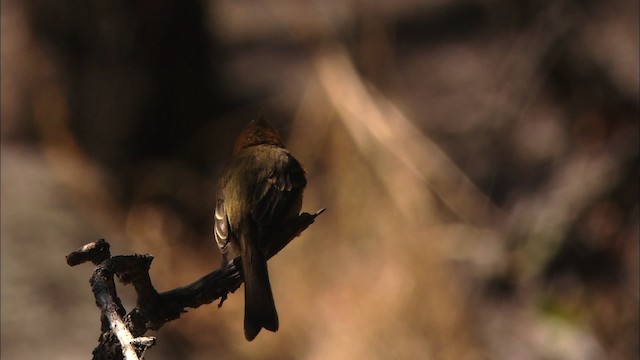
(478, 160)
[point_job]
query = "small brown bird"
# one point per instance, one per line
(260, 189)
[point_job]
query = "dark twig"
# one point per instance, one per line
(96, 252)
(122, 333)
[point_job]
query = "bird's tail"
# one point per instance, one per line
(259, 307)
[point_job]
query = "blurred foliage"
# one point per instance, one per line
(478, 159)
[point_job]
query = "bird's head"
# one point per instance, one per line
(259, 132)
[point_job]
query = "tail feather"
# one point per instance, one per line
(259, 309)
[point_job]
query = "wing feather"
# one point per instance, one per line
(277, 192)
(221, 225)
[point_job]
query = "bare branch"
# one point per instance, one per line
(122, 333)
(96, 252)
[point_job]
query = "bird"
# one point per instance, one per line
(260, 189)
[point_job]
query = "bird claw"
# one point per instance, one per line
(222, 299)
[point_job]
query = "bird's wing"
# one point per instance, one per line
(276, 194)
(221, 225)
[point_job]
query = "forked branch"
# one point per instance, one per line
(122, 334)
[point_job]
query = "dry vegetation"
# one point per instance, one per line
(478, 160)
